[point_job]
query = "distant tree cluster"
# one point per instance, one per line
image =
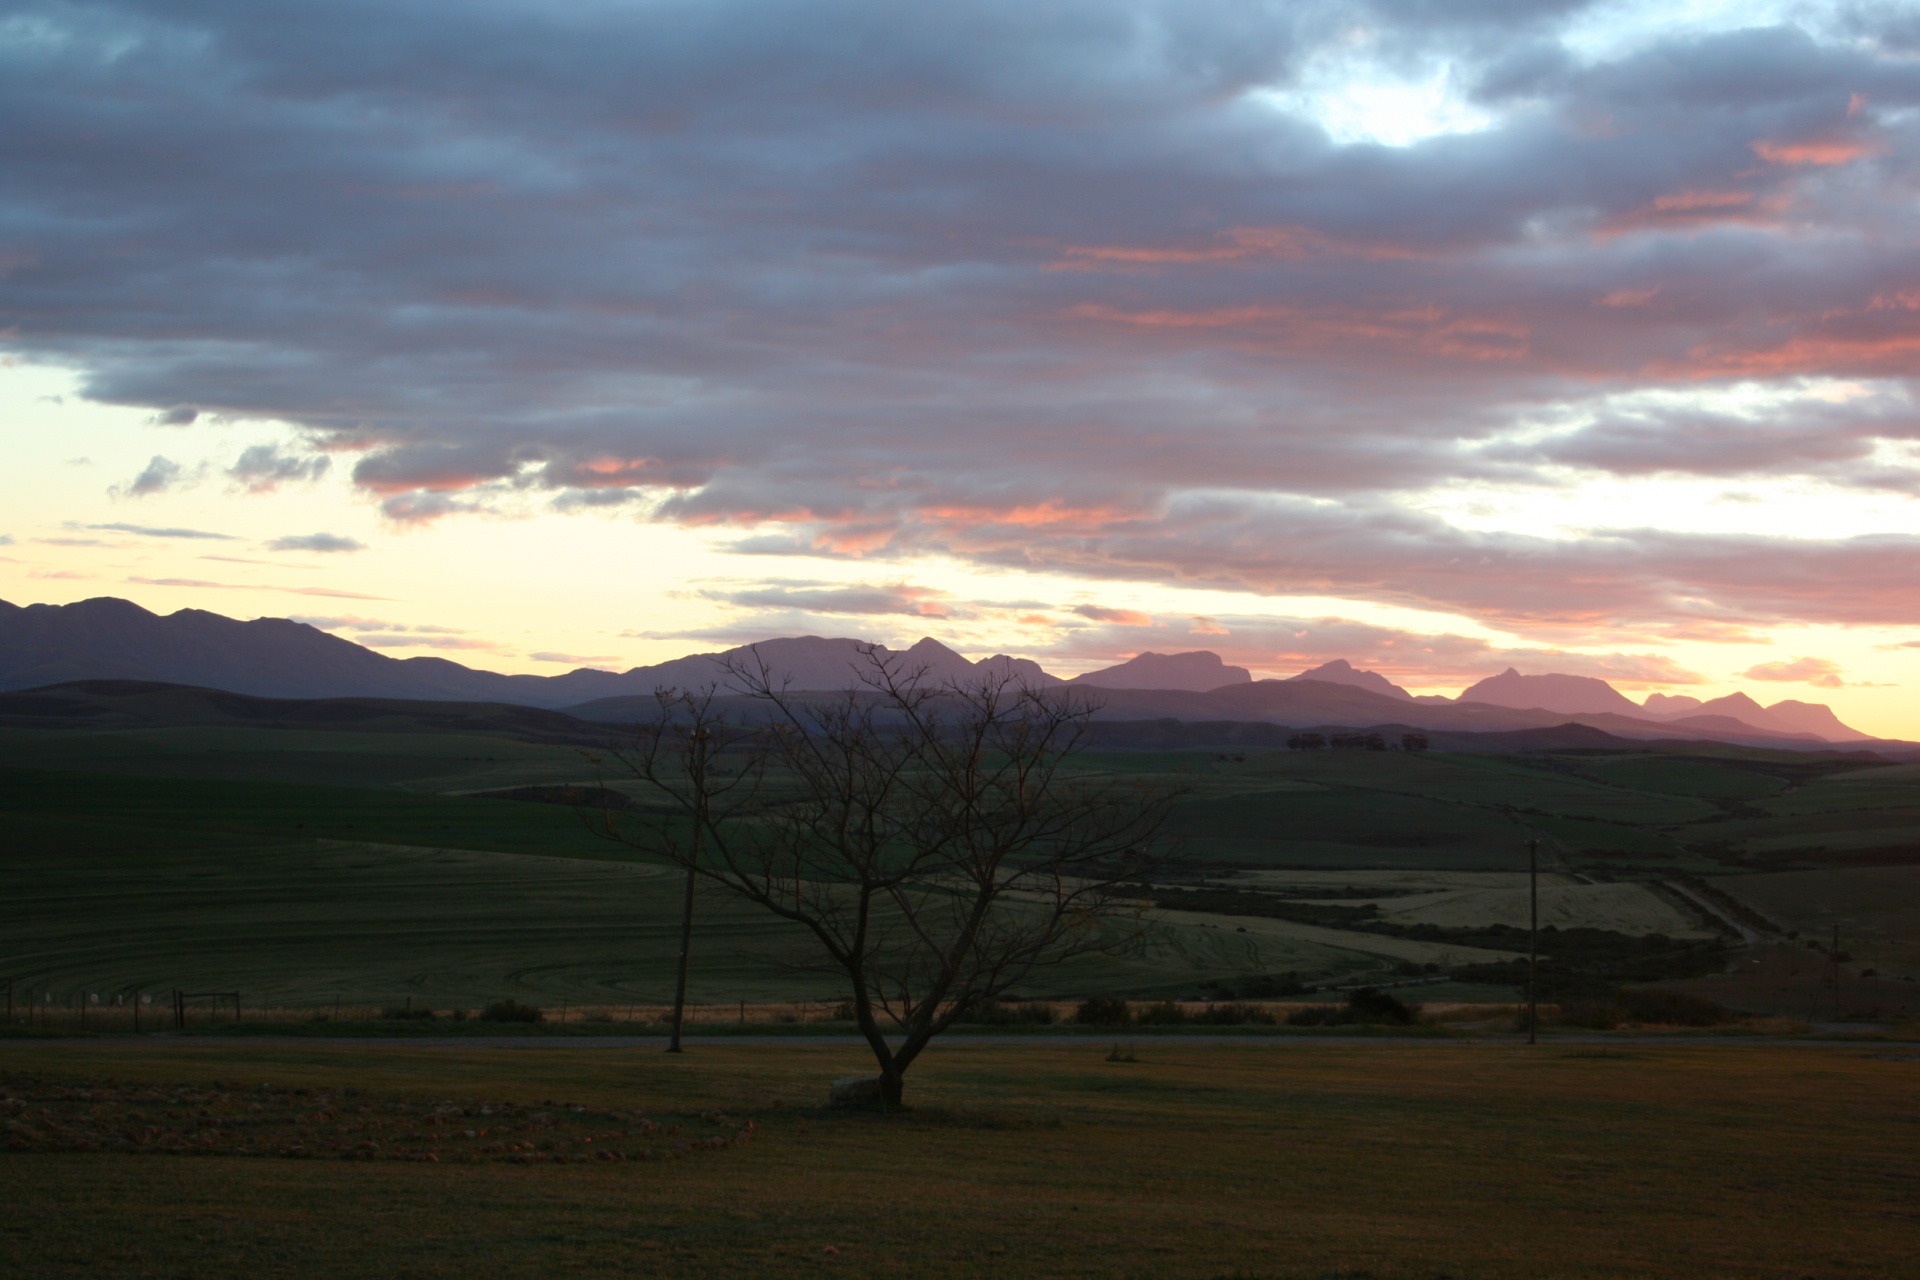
(1355, 742)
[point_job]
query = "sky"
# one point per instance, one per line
(1438, 336)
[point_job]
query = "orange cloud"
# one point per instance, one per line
(1630, 297)
(1688, 201)
(1690, 209)
(1814, 151)
(1119, 617)
(1813, 354)
(1813, 671)
(1051, 513)
(617, 473)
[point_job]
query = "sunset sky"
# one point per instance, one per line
(1439, 336)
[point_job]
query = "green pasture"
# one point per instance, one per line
(1394, 1161)
(1877, 909)
(308, 896)
(416, 761)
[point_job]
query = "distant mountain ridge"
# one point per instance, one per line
(111, 639)
(1197, 672)
(1575, 695)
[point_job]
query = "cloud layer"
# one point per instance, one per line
(1091, 287)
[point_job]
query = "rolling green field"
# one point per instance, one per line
(308, 866)
(1400, 1161)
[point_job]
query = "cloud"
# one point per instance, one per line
(179, 416)
(6, 539)
(328, 592)
(413, 641)
(352, 622)
(316, 542)
(854, 599)
(157, 531)
(1095, 288)
(1813, 671)
(1119, 617)
(158, 476)
(270, 564)
(575, 659)
(192, 582)
(262, 468)
(202, 583)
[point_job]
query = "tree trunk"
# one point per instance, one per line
(892, 1085)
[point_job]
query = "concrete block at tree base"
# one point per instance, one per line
(855, 1091)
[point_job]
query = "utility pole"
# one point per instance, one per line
(698, 774)
(1829, 972)
(1533, 941)
(1835, 953)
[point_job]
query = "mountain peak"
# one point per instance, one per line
(1568, 695)
(1340, 671)
(1198, 671)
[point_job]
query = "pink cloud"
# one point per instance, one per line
(1814, 671)
(1119, 617)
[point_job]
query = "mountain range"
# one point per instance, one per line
(112, 639)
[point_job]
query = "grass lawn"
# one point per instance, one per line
(1044, 1159)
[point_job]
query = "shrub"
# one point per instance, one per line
(408, 1013)
(1594, 1015)
(1234, 1015)
(1370, 1004)
(1014, 1013)
(1367, 1005)
(511, 1011)
(1671, 1008)
(1167, 1013)
(1103, 1011)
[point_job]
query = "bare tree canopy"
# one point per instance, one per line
(934, 839)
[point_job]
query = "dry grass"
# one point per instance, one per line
(1276, 1159)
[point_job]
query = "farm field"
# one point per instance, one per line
(1498, 897)
(1395, 1160)
(1876, 908)
(308, 866)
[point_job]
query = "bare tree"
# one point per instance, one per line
(934, 840)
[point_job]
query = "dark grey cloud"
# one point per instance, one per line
(154, 531)
(159, 475)
(1060, 285)
(262, 468)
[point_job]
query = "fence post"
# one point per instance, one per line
(136, 1011)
